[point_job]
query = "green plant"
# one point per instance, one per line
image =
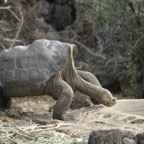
(120, 24)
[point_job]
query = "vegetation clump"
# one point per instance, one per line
(119, 24)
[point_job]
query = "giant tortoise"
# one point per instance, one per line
(47, 67)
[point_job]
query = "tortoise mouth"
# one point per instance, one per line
(110, 103)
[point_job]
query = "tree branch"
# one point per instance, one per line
(22, 20)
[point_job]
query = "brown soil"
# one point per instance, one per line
(30, 116)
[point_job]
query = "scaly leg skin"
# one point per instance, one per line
(5, 102)
(89, 77)
(62, 92)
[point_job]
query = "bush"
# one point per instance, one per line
(120, 24)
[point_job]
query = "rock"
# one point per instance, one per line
(115, 136)
(140, 137)
(80, 101)
(128, 141)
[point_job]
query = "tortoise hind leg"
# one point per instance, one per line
(5, 102)
(62, 92)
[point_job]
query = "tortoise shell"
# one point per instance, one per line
(22, 66)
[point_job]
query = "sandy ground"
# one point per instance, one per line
(31, 114)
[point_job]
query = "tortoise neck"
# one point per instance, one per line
(70, 75)
(89, 89)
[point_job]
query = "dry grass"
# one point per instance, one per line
(33, 134)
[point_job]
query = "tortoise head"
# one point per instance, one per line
(107, 99)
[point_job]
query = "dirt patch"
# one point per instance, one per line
(29, 121)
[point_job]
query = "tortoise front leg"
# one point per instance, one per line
(62, 92)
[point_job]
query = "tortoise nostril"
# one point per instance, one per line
(113, 100)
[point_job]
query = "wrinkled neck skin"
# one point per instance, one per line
(70, 75)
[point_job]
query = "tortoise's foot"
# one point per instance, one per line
(59, 116)
(5, 103)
